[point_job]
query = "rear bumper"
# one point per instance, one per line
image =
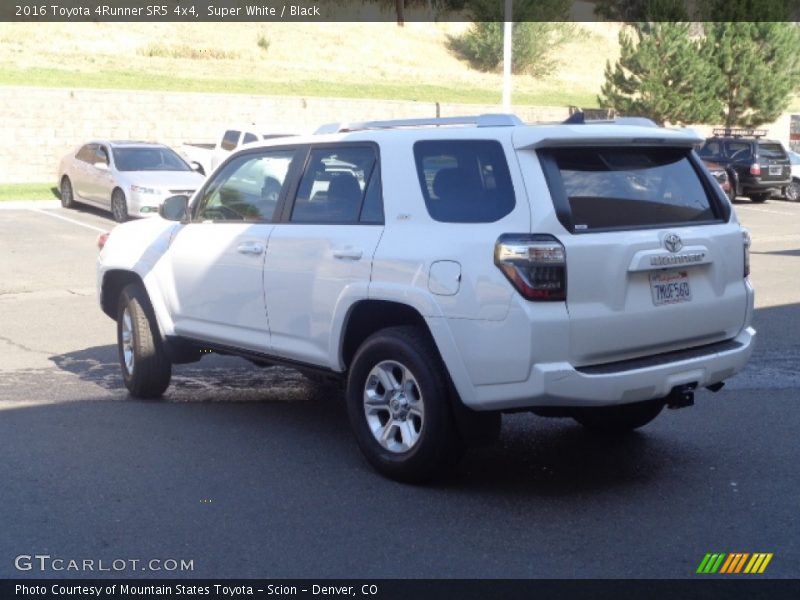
(561, 384)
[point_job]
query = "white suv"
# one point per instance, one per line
(448, 270)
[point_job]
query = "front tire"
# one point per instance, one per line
(146, 369)
(399, 406)
(66, 193)
(119, 206)
(618, 419)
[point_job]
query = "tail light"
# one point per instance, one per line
(755, 169)
(535, 264)
(746, 241)
(101, 240)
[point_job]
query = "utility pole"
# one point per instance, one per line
(507, 33)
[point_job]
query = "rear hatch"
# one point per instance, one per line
(774, 162)
(654, 262)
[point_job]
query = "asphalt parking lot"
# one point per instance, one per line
(252, 472)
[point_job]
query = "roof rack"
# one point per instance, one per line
(487, 120)
(739, 132)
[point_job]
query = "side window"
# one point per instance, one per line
(739, 150)
(372, 211)
(710, 148)
(464, 181)
(249, 138)
(334, 184)
(247, 188)
(229, 139)
(87, 153)
(100, 155)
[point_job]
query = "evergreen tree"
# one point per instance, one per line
(660, 75)
(758, 66)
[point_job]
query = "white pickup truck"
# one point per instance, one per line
(204, 158)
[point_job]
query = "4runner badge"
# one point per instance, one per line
(672, 242)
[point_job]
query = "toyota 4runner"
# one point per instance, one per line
(447, 270)
(756, 168)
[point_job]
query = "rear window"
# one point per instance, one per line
(464, 181)
(770, 150)
(611, 187)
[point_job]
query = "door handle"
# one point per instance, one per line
(348, 253)
(250, 248)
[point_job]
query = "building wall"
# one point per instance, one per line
(39, 125)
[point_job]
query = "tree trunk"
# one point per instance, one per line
(400, 8)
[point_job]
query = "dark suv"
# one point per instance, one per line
(756, 167)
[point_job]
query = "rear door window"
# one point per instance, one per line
(334, 185)
(613, 188)
(464, 181)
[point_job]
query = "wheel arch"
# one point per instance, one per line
(114, 281)
(368, 316)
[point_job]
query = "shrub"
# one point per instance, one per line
(185, 51)
(532, 45)
(263, 42)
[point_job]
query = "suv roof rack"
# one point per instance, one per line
(739, 132)
(486, 120)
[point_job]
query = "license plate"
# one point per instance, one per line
(775, 170)
(671, 287)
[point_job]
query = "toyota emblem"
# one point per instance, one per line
(672, 242)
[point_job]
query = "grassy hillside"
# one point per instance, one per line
(379, 60)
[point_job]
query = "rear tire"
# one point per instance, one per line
(759, 198)
(119, 206)
(146, 369)
(618, 419)
(792, 192)
(66, 193)
(399, 406)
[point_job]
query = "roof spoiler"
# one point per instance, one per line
(579, 118)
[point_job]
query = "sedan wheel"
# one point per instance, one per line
(67, 198)
(119, 207)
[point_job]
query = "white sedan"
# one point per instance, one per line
(792, 191)
(131, 179)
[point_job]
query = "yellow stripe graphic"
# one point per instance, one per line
(765, 563)
(754, 562)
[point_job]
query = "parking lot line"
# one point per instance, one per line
(766, 210)
(54, 215)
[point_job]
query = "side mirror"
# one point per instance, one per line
(175, 208)
(101, 165)
(196, 166)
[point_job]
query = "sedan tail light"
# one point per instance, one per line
(101, 240)
(535, 264)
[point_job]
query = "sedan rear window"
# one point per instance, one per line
(612, 187)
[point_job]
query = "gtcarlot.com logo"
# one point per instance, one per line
(45, 562)
(734, 563)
